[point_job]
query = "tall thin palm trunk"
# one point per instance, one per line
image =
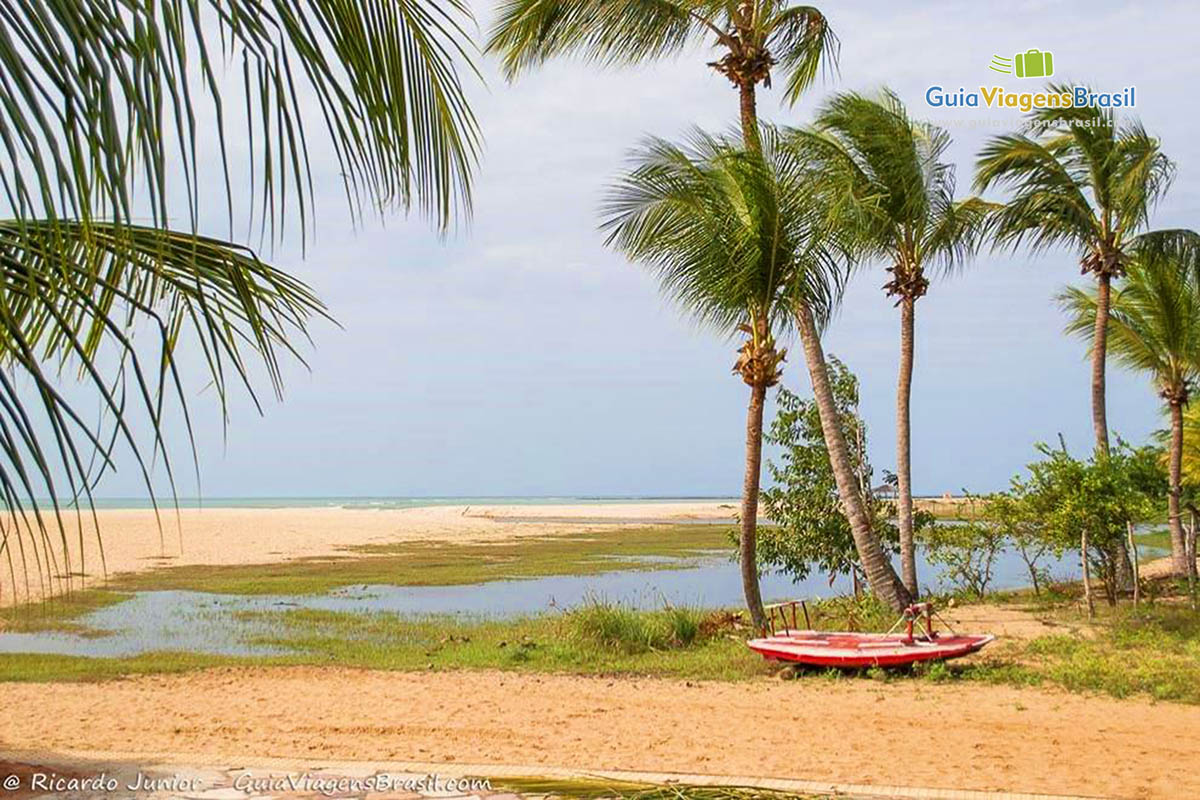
(908, 556)
(1179, 554)
(880, 573)
(749, 520)
(1099, 354)
(1120, 554)
(748, 536)
(749, 116)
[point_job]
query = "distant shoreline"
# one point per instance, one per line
(430, 501)
(391, 502)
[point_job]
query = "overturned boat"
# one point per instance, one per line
(900, 646)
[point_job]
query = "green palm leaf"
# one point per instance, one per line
(527, 33)
(104, 107)
(893, 169)
(102, 97)
(732, 236)
(73, 298)
(1154, 322)
(1078, 178)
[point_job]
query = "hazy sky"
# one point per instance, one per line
(521, 357)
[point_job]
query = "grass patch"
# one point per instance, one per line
(42, 667)
(595, 639)
(1153, 651)
(59, 614)
(444, 563)
(1159, 539)
(610, 626)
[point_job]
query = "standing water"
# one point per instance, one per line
(219, 624)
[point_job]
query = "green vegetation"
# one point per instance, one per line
(1062, 504)
(59, 613)
(1154, 330)
(1152, 651)
(893, 167)
(445, 563)
(967, 552)
(43, 667)
(402, 564)
(811, 532)
(596, 639)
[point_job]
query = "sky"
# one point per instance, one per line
(518, 356)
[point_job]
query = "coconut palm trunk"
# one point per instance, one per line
(1120, 553)
(880, 575)
(748, 535)
(869, 149)
(908, 556)
(749, 516)
(748, 108)
(1099, 353)
(1179, 547)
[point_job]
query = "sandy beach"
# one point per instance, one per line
(907, 733)
(135, 540)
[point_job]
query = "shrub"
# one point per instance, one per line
(615, 626)
(967, 552)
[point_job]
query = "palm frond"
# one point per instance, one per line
(732, 235)
(895, 166)
(527, 33)
(1178, 245)
(803, 45)
(1048, 206)
(956, 233)
(73, 298)
(1079, 177)
(1140, 175)
(1154, 321)
(99, 98)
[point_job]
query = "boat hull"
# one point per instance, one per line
(847, 649)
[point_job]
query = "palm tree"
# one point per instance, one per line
(1191, 445)
(1155, 329)
(113, 122)
(742, 240)
(754, 37)
(910, 220)
(1079, 179)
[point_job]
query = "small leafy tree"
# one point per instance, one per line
(967, 552)
(1012, 514)
(811, 530)
(1087, 505)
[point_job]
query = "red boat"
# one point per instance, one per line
(848, 649)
